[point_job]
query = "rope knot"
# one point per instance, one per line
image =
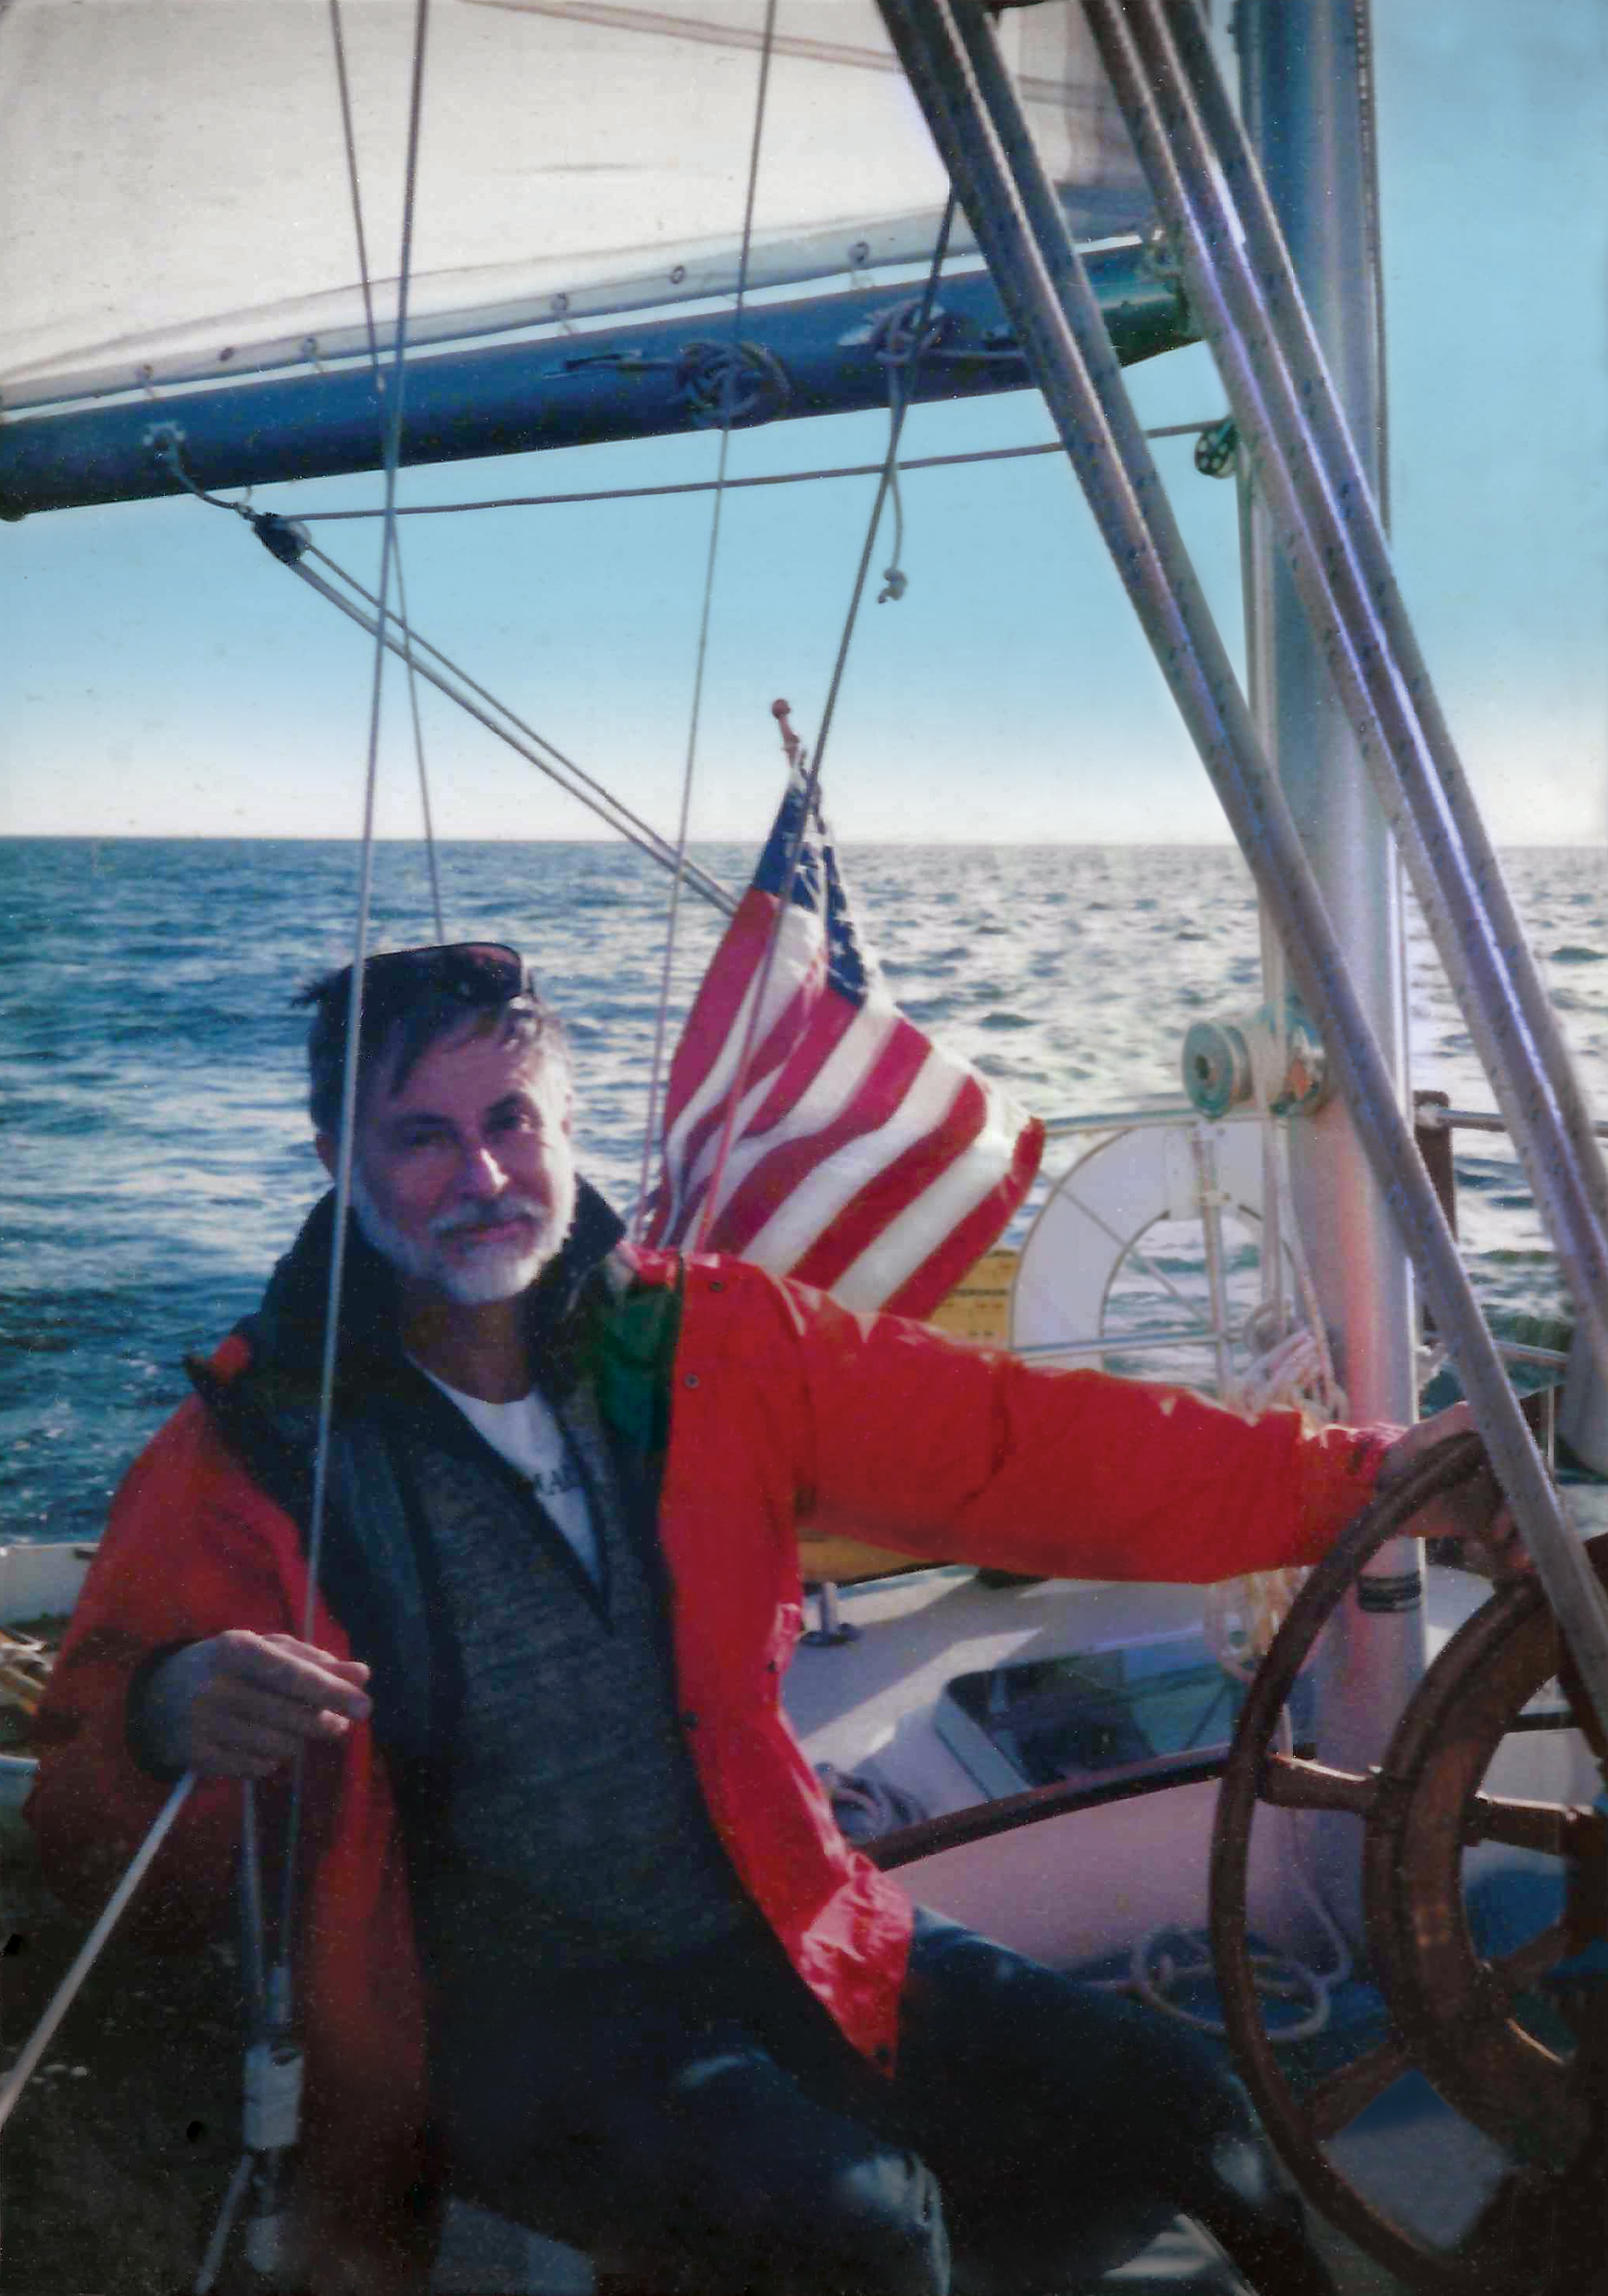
(898, 337)
(733, 384)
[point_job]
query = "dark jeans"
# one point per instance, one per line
(706, 2128)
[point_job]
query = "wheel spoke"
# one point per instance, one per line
(1290, 1783)
(1558, 1829)
(1335, 2103)
(1520, 1968)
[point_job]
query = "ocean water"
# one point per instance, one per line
(158, 1159)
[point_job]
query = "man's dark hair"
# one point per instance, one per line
(409, 1004)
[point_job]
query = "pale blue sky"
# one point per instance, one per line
(160, 676)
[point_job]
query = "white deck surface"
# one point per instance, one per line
(874, 1697)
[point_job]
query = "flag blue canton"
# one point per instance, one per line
(818, 886)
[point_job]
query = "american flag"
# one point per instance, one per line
(861, 1158)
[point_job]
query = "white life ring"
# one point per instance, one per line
(1100, 1208)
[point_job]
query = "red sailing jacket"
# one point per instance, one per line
(784, 1408)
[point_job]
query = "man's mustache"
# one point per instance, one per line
(501, 1213)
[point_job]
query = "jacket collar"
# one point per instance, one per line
(287, 1332)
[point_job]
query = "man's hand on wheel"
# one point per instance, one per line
(1472, 1512)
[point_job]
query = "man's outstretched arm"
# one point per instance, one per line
(972, 1454)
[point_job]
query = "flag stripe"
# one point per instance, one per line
(791, 1193)
(938, 1127)
(841, 1042)
(705, 1065)
(707, 1058)
(931, 1280)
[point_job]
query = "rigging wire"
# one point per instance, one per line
(811, 764)
(412, 648)
(254, 1958)
(523, 738)
(272, 2061)
(349, 1090)
(729, 397)
(348, 135)
(211, 2263)
(432, 858)
(288, 545)
(89, 1952)
(762, 478)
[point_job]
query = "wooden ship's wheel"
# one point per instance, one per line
(1513, 2038)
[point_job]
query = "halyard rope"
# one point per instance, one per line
(918, 344)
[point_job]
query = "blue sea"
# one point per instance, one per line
(157, 1157)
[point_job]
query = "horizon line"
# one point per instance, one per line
(1225, 844)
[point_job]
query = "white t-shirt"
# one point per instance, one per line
(528, 1435)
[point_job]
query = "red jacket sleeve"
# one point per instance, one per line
(190, 1549)
(948, 1450)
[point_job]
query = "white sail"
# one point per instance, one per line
(174, 178)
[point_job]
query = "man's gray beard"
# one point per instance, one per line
(504, 1277)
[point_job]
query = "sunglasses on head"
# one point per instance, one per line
(477, 972)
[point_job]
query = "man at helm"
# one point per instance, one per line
(576, 1935)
